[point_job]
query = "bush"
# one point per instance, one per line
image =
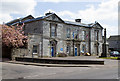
(62, 55)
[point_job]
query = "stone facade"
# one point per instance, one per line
(114, 43)
(50, 35)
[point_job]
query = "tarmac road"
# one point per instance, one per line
(15, 71)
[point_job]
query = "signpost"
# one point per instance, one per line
(61, 49)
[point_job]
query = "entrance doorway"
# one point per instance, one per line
(75, 51)
(53, 48)
(52, 51)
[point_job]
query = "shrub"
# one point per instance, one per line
(62, 55)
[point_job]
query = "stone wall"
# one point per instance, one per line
(19, 52)
(34, 27)
(35, 39)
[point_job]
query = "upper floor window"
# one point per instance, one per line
(83, 35)
(96, 35)
(68, 49)
(68, 33)
(35, 30)
(35, 49)
(83, 48)
(76, 34)
(53, 31)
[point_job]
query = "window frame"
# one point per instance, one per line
(33, 49)
(96, 35)
(84, 35)
(68, 33)
(55, 29)
(68, 49)
(84, 46)
(76, 34)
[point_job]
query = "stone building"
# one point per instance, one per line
(114, 43)
(49, 35)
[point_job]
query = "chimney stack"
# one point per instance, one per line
(48, 13)
(78, 20)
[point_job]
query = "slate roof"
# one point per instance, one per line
(114, 38)
(78, 23)
(16, 21)
(31, 19)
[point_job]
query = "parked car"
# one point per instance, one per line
(114, 53)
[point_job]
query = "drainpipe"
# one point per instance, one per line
(32, 54)
(73, 46)
(73, 43)
(105, 42)
(42, 47)
(89, 40)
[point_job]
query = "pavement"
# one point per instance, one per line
(18, 71)
(52, 65)
(76, 58)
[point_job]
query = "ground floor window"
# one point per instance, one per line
(35, 49)
(40, 48)
(83, 48)
(68, 49)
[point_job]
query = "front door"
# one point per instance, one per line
(53, 48)
(75, 51)
(52, 51)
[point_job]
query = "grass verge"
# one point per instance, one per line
(114, 58)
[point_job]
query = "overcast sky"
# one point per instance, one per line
(103, 11)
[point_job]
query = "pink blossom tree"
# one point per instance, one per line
(13, 36)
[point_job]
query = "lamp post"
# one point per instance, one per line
(105, 43)
(104, 53)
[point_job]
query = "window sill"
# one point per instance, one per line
(35, 53)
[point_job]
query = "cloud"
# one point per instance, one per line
(105, 11)
(106, 14)
(57, 1)
(20, 7)
(5, 18)
(111, 30)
